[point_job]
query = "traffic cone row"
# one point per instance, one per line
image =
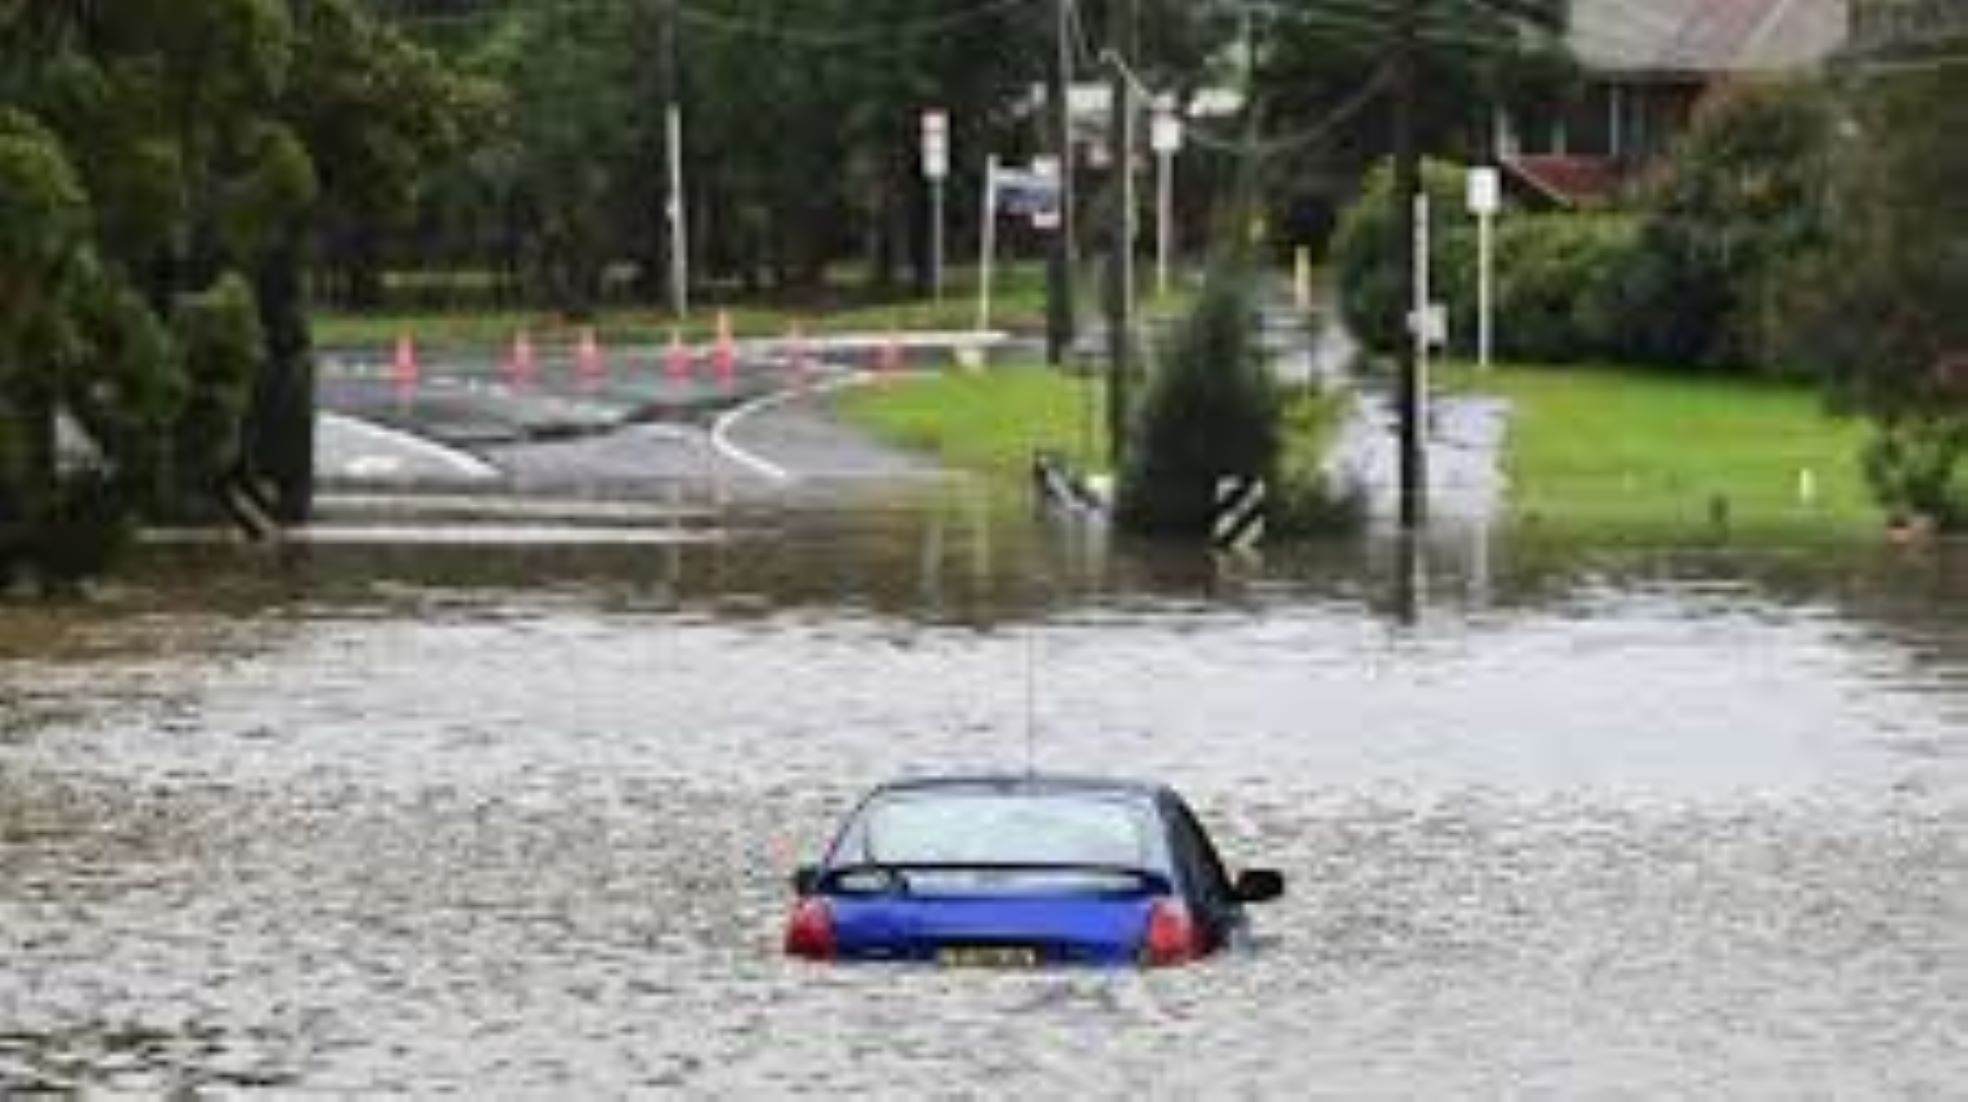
(678, 360)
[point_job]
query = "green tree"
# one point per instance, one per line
(44, 223)
(1474, 56)
(1210, 412)
(159, 185)
(380, 116)
(1740, 202)
(1880, 311)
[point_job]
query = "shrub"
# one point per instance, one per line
(1210, 412)
(1741, 198)
(1306, 498)
(1374, 299)
(1919, 467)
(1559, 294)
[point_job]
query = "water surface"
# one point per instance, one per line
(516, 819)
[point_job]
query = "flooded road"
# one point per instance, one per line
(516, 821)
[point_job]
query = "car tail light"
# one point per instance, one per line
(1172, 935)
(810, 934)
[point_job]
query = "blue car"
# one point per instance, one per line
(1022, 872)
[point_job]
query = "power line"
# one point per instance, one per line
(884, 33)
(738, 26)
(1314, 135)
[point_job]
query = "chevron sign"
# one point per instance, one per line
(1240, 508)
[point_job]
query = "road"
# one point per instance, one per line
(767, 435)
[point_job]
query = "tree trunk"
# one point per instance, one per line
(279, 443)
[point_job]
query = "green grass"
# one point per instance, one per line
(1624, 448)
(988, 422)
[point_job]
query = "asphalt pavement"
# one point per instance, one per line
(636, 434)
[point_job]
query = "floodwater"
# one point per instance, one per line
(516, 820)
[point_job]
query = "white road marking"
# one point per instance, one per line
(462, 463)
(751, 461)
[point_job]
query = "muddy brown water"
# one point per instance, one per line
(1559, 821)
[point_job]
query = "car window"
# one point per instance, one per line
(999, 829)
(1197, 854)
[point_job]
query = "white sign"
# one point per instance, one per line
(1485, 192)
(1045, 169)
(1431, 325)
(936, 144)
(1166, 136)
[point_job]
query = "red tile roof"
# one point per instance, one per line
(1569, 181)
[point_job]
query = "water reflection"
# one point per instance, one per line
(1562, 819)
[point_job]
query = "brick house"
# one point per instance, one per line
(1647, 65)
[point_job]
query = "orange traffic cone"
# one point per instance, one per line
(407, 375)
(588, 361)
(677, 359)
(521, 367)
(726, 355)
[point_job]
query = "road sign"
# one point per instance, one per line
(1032, 193)
(1166, 135)
(1485, 191)
(936, 144)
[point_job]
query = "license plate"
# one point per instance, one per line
(981, 956)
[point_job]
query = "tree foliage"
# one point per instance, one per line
(1473, 57)
(1738, 206)
(1211, 412)
(159, 171)
(1879, 311)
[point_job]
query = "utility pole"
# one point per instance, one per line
(1122, 22)
(1059, 259)
(675, 201)
(1407, 186)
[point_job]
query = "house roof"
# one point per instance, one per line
(1706, 37)
(1568, 181)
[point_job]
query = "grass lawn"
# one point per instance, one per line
(1624, 448)
(990, 422)
(1018, 305)
(993, 422)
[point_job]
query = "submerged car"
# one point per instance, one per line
(1020, 872)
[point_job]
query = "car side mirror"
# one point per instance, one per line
(806, 879)
(1259, 885)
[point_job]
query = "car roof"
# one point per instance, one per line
(1027, 784)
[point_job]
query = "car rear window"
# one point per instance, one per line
(989, 828)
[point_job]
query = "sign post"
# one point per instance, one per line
(1166, 138)
(1429, 323)
(1485, 202)
(936, 169)
(988, 238)
(1032, 193)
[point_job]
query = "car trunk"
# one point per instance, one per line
(1005, 931)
